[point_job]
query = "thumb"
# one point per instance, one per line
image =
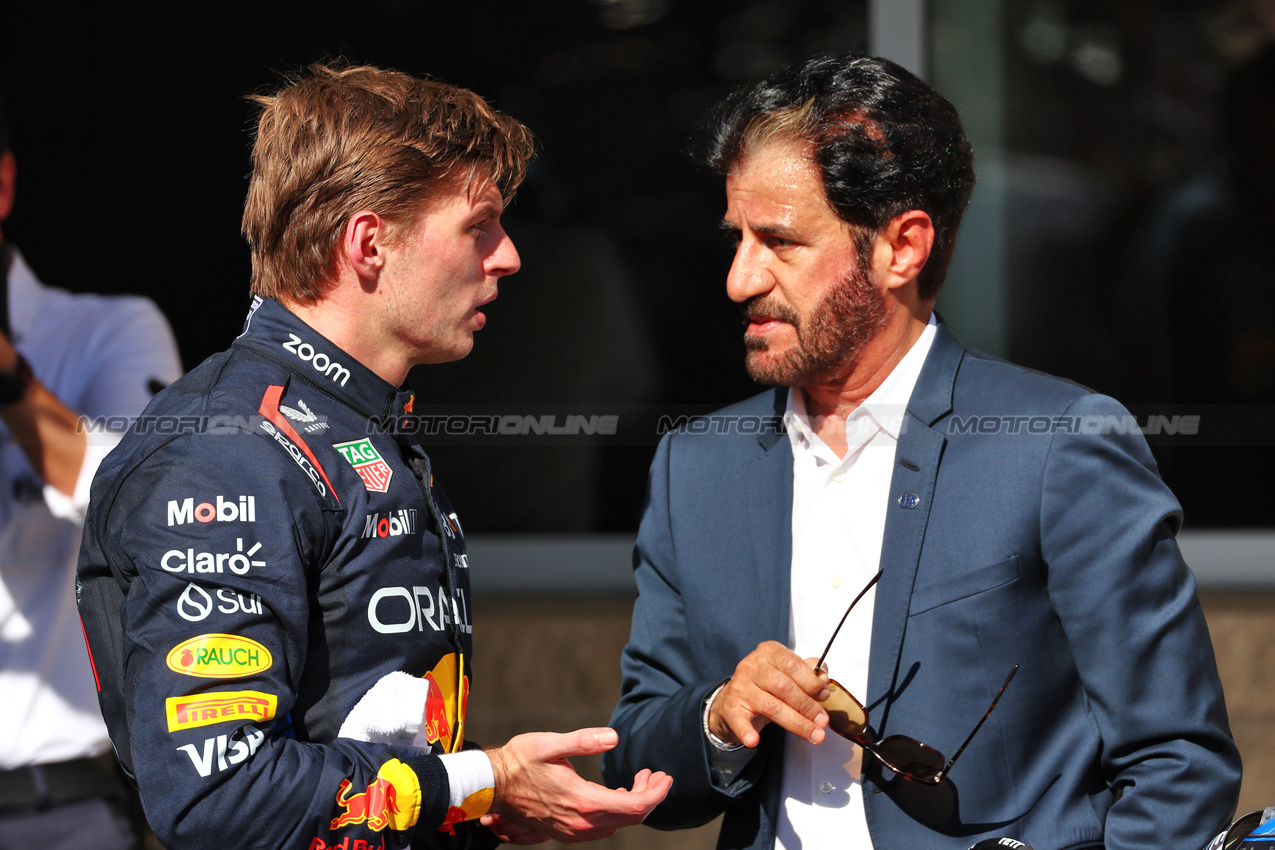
(590, 741)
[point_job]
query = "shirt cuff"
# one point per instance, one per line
(72, 508)
(472, 785)
(725, 761)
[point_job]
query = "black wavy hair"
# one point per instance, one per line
(884, 140)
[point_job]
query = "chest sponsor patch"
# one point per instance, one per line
(219, 707)
(368, 463)
(217, 656)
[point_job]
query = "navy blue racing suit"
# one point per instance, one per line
(259, 551)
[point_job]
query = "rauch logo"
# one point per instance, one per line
(219, 657)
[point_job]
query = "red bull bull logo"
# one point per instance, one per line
(392, 800)
(376, 806)
(445, 705)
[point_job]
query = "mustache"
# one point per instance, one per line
(759, 308)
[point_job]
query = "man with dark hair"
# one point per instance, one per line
(274, 587)
(986, 519)
(71, 367)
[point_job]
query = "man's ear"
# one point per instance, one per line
(8, 170)
(902, 248)
(363, 243)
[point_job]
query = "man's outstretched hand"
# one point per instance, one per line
(540, 796)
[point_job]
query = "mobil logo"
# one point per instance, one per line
(219, 656)
(234, 509)
(392, 524)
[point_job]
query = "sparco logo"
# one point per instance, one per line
(394, 524)
(224, 510)
(301, 460)
(190, 561)
(320, 361)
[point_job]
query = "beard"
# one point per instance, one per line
(829, 339)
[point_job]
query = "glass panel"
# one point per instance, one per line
(1126, 175)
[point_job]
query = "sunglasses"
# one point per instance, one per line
(1234, 837)
(905, 756)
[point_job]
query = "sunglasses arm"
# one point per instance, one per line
(868, 587)
(978, 725)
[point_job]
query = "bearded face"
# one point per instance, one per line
(829, 336)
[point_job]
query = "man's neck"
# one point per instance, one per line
(356, 334)
(829, 403)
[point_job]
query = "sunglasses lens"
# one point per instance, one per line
(845, 716)
(910, 758)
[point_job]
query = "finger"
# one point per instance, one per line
(823, 676)
(512, 831)
(747, 713)
(581, 742)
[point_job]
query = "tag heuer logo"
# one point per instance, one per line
(370, 466)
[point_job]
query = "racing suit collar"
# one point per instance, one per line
(277, 333)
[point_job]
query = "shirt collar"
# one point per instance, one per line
(276, 332)
(882, 410)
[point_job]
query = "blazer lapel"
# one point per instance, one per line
(767, 483)
(920, 451)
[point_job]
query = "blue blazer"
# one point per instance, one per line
(1027, 525)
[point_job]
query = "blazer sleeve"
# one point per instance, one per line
(665, 683)
(1127, 604)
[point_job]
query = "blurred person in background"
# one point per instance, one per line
(73, 369)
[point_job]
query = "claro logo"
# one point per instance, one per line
(320, 361)
(219, 656)
(190, 561)
(244, 509)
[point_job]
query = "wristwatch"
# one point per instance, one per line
(13, 385)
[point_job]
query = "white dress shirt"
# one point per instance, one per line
(838, 522)
(98, 355)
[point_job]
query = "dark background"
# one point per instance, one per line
(132, 134)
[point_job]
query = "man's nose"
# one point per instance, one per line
(504, 260)
(748, 275)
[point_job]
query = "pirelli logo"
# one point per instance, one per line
(218, 707)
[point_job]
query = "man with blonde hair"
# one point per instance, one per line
(274, 588)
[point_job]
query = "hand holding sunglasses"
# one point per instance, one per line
(905, 756)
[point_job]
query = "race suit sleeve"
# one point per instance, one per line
(1128, 606)
(219, 549)
(659, 717)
